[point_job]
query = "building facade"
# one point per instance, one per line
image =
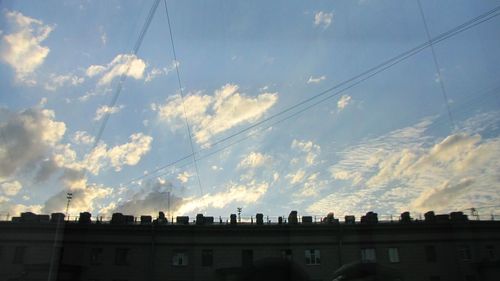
(447, 248)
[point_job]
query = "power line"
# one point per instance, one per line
(357, 79)
(123, 77)
(182, 99)
(438, 68)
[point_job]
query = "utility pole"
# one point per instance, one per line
(69, 196)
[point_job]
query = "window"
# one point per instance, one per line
(312, 257)
(207, 257)
(434, 278)
(121, 256)
(247, 258)
(490, 252)
(368, 255)
(96, 256)
(430, 253)
(180, 258)
(465, 253)
(470, 278)
(19, 255)
(286, 254)
(393, 255)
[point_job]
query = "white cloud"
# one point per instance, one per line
(104, 110)
(155, 72)
(254, 160)
(407, 170)
(184, 176)
(343, 102)
(234, 193)
(212, 115)
(57, 81)
(22, 49)
(11, 188)
(82, 137)
(122, 64)
(323, 19)
(296, 177)
(84, 199)
(316, 80)
(310, 149)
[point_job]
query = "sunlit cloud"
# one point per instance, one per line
(22, 48)
(122, 64)
(343, 102)
(212, 115)
(104, 110)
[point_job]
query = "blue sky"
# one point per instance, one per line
(386, 144)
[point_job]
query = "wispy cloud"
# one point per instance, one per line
(56, 81)
(323, 19)
(343, 102)
(315, 80)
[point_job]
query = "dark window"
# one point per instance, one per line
(19, 254)
(246, 257)
(465, 253)
(490, 252)
(96, 256)
(312, 257)
(434, 278)
(393, 254)
(368, 255)
(430, 253)
(207, 257)
(121, 256)
(286, 254)
(180, 258)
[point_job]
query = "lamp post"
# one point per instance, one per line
(239, 214)
(69, 196)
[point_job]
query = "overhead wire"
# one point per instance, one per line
(438, 68)
(357, 79)
(123, 77)
(188, 127)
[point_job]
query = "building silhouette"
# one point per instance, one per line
(440, 247)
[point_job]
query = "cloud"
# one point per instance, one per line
(122, 64)
(184, 176)
(11, 188)
(254, 160)
(129, 153)
(16, 209)
(316, 80)
(343, 102)
(248, 193)
(82, 137)
(84, 199)
(22, 49)
(27, 137)
(155, 72)
(213, 115)
(57, 81)
(155, 196)
(310, 149)
(323, 19)
(296, 177)
(408, 170)
(106, 110)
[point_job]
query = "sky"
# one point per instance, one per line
(267, 106)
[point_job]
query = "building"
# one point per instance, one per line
(441, 247)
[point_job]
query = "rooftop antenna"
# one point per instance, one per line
(69, 196)
(239, 214)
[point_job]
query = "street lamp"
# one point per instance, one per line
(69, 196)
